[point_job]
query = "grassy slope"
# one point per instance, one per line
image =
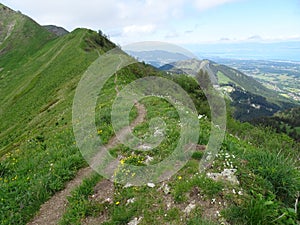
(47, 79)
(251, 100)
(37, 88)
(21, 38)
(267, 187)
(249, 97)
(248, 83)
(287, 121)
(40, 154)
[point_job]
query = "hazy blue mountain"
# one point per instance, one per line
(259, 51)
(158, 58)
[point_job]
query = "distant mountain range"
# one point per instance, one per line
(280, 50)
(280, 76)
(250, 98)
(158, 58)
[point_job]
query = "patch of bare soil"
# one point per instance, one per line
(51, 211)
(103, 193)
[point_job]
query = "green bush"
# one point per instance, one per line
(279, 171)
(260, 211)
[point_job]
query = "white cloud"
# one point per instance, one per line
(139, 29)
(207, 4)
(109, 15)
(141, 16)
(177, 21)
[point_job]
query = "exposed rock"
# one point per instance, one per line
(189, 208)
(135, 221)
(148, 159)
(158, 132)
(151, 185)
(225, 175)
(127, 185)
(130, 201)
(144, 147)
(58, 31)
(200, 116)
(165, 188)
(169, 204)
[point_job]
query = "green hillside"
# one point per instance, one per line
(242, 80)
(40, 157)
(287, 121)
(46, 77)
(20, 38)
(249, 98)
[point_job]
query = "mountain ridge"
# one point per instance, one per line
(58, 31)
(254, 178)
(22, 72)
(248, 96)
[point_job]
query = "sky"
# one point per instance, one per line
(182, 22)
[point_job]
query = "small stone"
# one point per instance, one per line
(108, 200)
(148, 159)
(213, 201)
(169, 205)
(225, 175)
(135, 221)
(151, 185)
(166, 189)
(145, 147)
(200, 116)
(130, 201)
(127, 185)
(158, 132)
(189, 208)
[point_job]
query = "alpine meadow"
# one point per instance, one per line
(254, 178)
